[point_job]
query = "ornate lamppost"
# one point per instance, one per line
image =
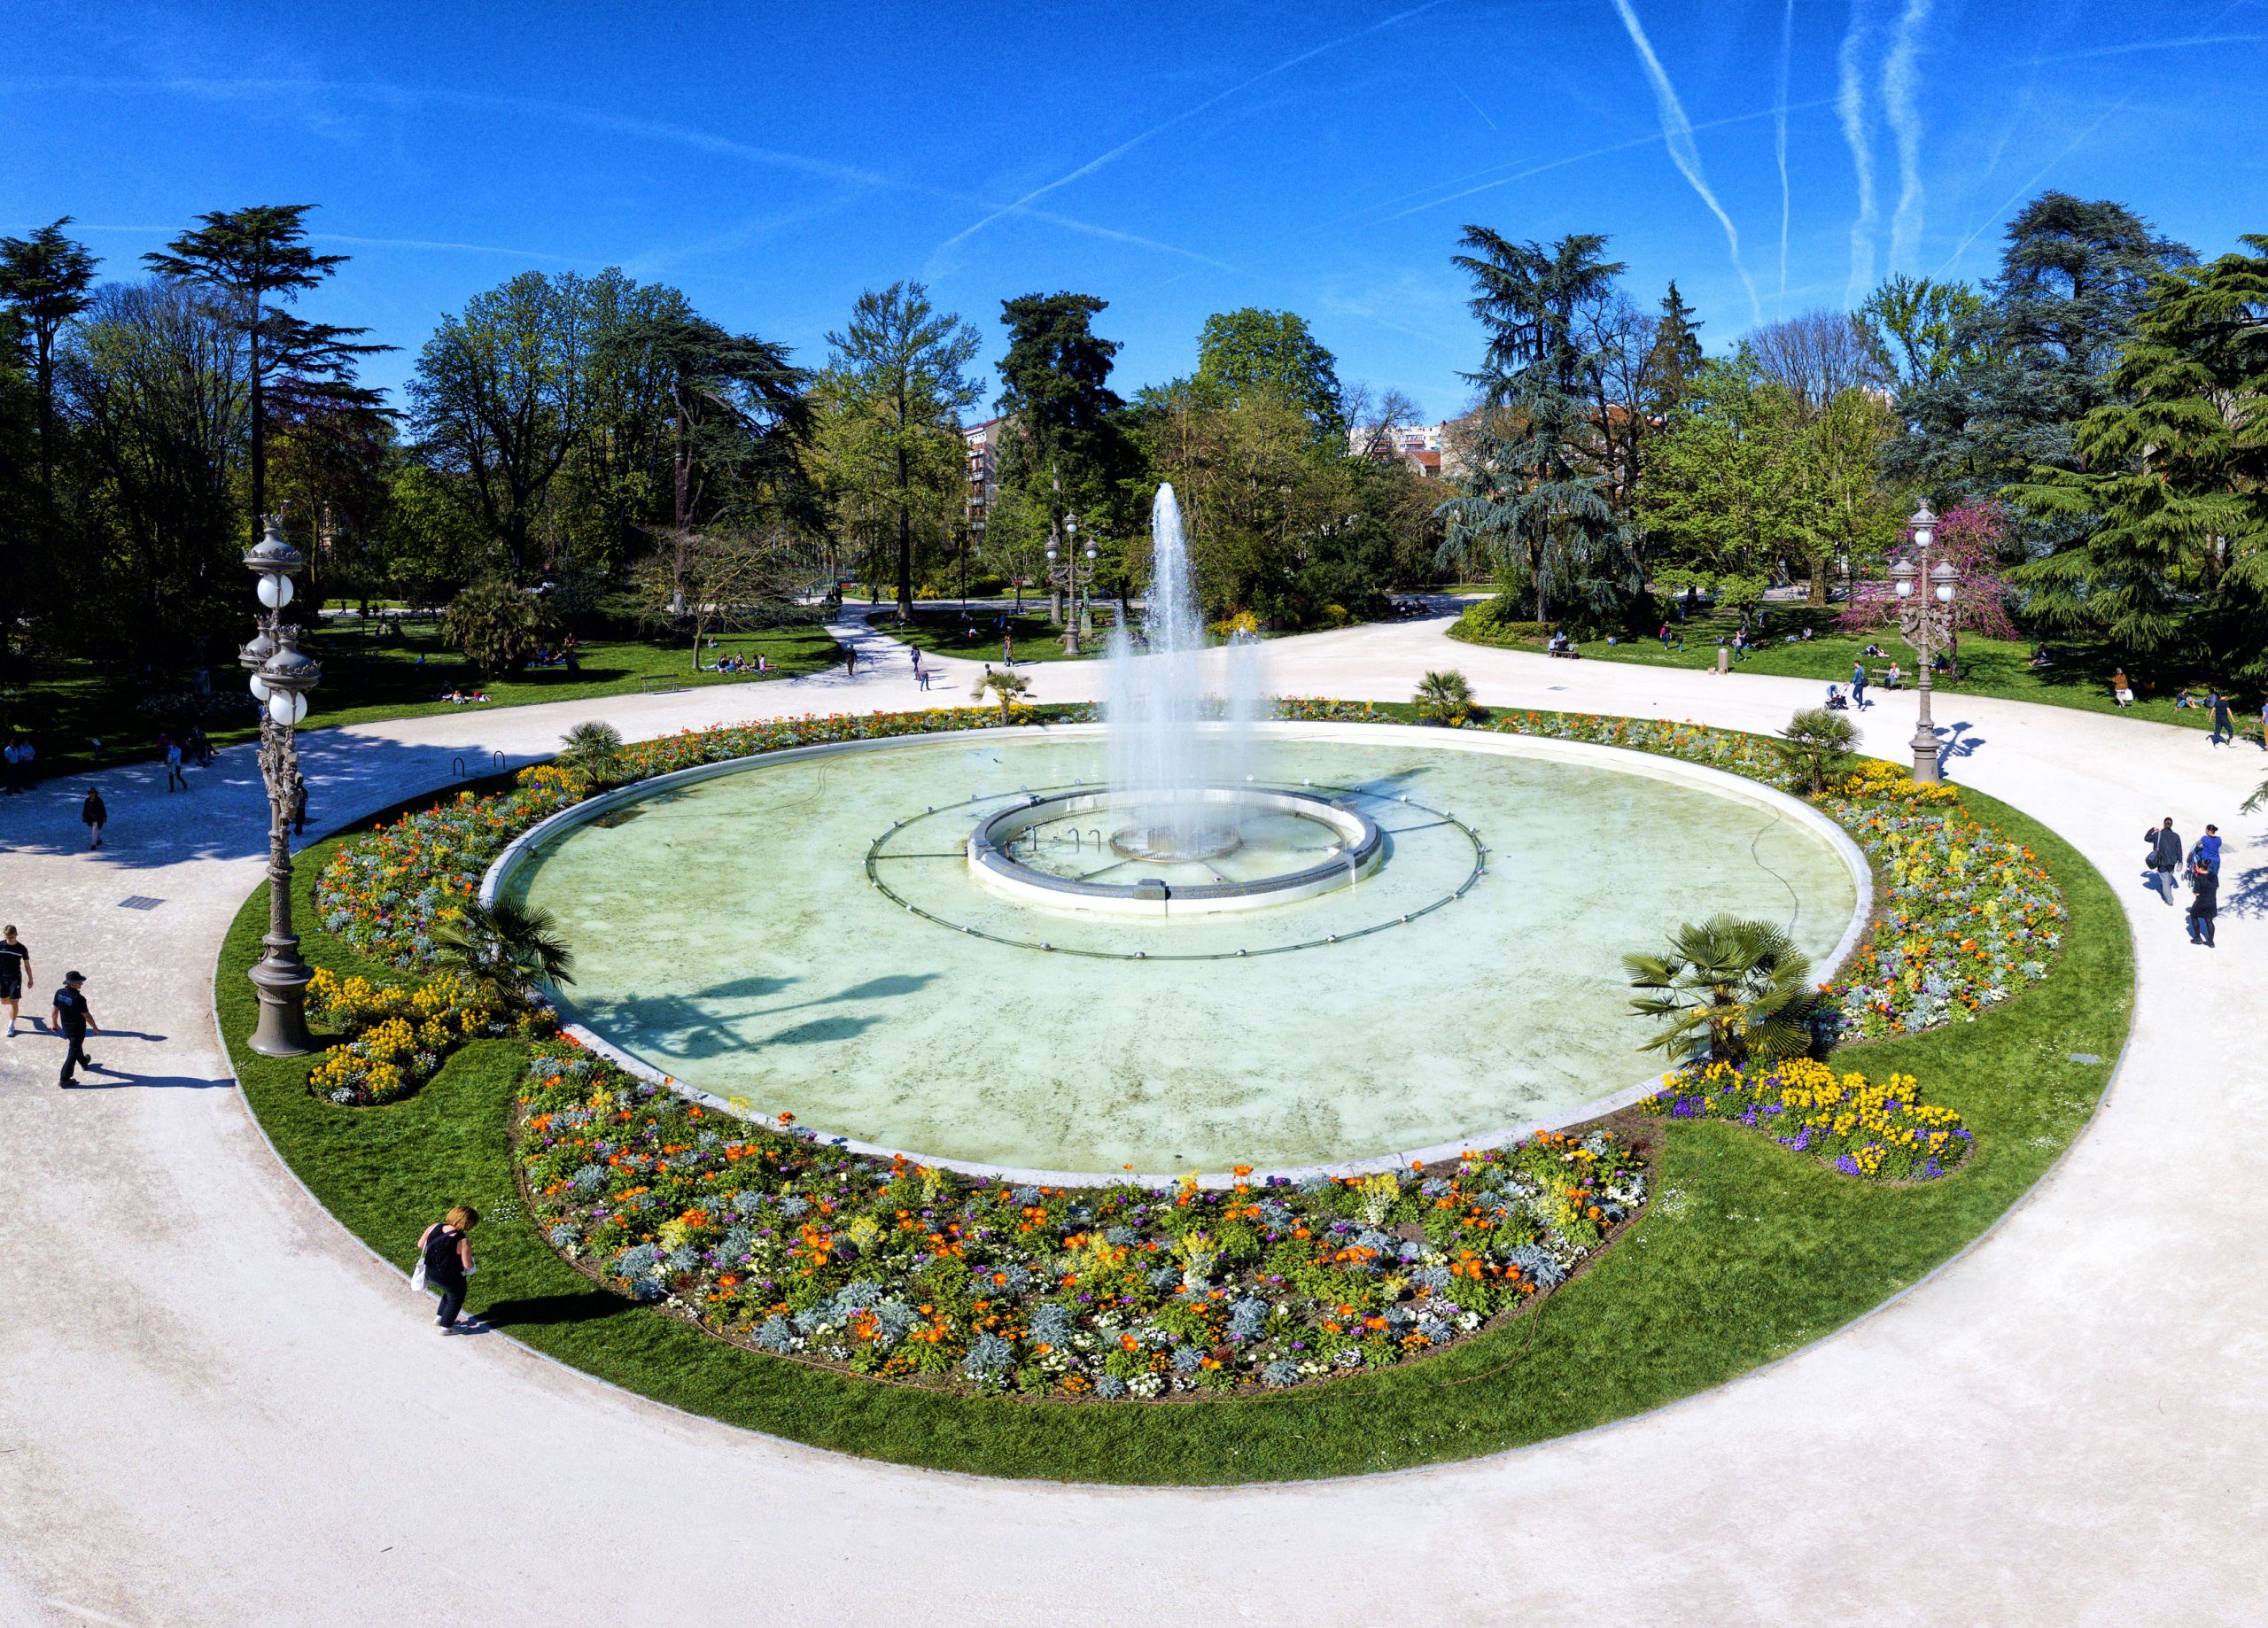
(281, 675)
(1070, 579)
(1926, 619)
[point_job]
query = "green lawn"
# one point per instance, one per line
(1746, 1253)
(943, 631)
(66, 705)
(2075, 676)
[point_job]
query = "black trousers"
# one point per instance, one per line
(452, 1298)
(74, 1055)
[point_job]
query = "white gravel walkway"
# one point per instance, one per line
(216, 1408)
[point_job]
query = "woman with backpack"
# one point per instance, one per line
(444, 1261)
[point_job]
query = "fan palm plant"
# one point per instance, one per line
(1443, 696)
(1008, 685)
(1729, 989)
(507, 941)
(592, 752)
(1815, 746)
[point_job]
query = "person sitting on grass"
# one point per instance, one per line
(2121, 691)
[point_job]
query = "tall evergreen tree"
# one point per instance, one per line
(900, 365)
(1676, 356)
(252, 257)
(45, 278)
(2173, 491)
(1068, 445)
(1535, 507)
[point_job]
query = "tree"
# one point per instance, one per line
(1066, 449)
(1712, 495)
(156, 386)
(1729, 989)
(1815, 746)
(2036, 358)
(1925, 333)
(249, 256)
(1815, 357)
(898, 369)
(1676, 358)
(500, 398)
(2172, 492)
(706, 582)
(45, 278)
(1972, 540)
(1250, 352)
(1534, 505)
(500, 626)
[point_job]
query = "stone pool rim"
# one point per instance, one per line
(1486, 742)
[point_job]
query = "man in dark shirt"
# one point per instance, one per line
(73, 1019)
(15, 975)
(2204, 893)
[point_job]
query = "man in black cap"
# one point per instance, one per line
(72, 1020)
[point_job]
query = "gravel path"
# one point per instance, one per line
(216, 1408)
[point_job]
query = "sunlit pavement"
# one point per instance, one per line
(216, 1408)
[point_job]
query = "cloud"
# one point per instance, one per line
(1850, 105)
(1110, 157)
(1780, 143)
(1901, 81)
(2137, 46)
(1677, 135)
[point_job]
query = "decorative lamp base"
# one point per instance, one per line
(282, 981)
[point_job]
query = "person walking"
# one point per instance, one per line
(2208, 850)
(73, 1017)
(298, 803)
(174, 776)
(95, 816)
(446, 1253)
(2204, 895)
(15, 975)
(8, 761)
(1859, 683)
(1007, 650)
(849, 661)
(2223, 728)
(2165, 856)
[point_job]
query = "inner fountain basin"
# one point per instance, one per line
(782, 933)
(1218, 848)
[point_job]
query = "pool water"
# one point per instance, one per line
(729, 933)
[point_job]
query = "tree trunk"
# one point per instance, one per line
(905, 540)
(1817, 599)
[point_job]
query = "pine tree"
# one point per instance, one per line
(1676, 356)
(2172, 496)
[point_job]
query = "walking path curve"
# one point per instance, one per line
(216, 1408)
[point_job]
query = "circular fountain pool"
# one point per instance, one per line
(807, 933)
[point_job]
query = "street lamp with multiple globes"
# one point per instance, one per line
(1071, 579)
(1926, 619)
(281, 675)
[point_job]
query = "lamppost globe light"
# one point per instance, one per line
(275, 590)
(1901, 578)
(286, 707)
(259, 687)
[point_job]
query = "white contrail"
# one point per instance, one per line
(1132, 142)
(1902, 78)
(1850, 104)
(1677, 135)
(1780, 145)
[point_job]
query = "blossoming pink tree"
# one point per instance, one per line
(1970, 538)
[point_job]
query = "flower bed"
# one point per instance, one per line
(1882, 1131)
(386, 893)
(397, 1036)
(773, 1238)
(1969, 917)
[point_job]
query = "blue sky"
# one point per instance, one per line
(774, 160)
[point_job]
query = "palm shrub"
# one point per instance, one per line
(500, 626)
(1443, 696)
(1728, 989)
(505, 943)
(1009, 687)
(592, 752)
(1815, 747)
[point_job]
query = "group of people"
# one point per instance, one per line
(458, 697)
(69, 1017)
(2200, 867)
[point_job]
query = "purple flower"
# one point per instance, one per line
(1847, 1165)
